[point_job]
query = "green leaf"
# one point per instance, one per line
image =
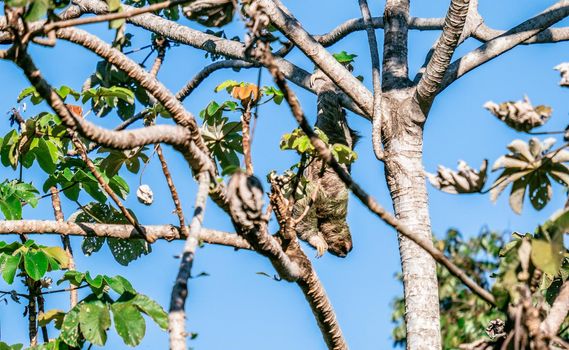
(227, 85)
(96, 282)
(126, 251)
(9, 267)
(35, 264)
(37, 11)
(129, 323)
(92, 245)
(11, 208)
(47, 155)
(94, 320)
(70, 327)
(152, 309)
(55, 315)
(58, 254)
(547, 256)
(119, 284)
(344, 57)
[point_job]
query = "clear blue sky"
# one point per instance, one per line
(235, 308)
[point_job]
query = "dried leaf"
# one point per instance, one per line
(520, 115)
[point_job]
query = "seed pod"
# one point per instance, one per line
(145, 195)
(245, 196)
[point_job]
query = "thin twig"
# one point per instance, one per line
(176, 315)
(246, 123)
(376, 79)
(111, 16)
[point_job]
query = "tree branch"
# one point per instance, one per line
(292, 29)
(134, 71)
(357, 24)
(505, 42)
(166, 232)
(325, 154)
(376, 79)
(444, 49)
(557, 313)
(176, 314)
(551, 35)
(207, 42)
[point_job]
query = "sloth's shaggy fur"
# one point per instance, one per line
(324, 225)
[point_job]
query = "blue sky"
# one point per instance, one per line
(236, 308)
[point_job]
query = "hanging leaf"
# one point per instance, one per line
(528, 167)
(466, 180)
(94, 320)
(520, 115)
(129, 323)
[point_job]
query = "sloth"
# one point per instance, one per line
(321, 213)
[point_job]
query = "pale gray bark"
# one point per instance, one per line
(177, 312)
(165, 232)
(558, 313)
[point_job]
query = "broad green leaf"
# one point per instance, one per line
(344, 57)
(152, 309)
(227, 85)
(56, 315)
(547, 256)
(59, 255)
(94, 320)
(37, 11)
(92, 245)
(129, 323)
(10, 267)
(119, 284)
(35, 264)
(70, 327)
(126, 251)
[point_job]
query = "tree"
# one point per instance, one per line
(398, 108)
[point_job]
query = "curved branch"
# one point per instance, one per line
(376, 78)
(505, 42)
(134, 71)
(357, 24)
(557, 313)
(551, 35)
(188, 36)
(325, 154)
(444, 49)
(206, 71)
(83, 229)
(292, 29)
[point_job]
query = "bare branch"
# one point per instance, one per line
(134, 71)
(551, 35)
(325, 154)
(210, 43)
(206, 71)
(444, 49)
(133, 12)
(176, 314)
(506, 42)
(557, 313)
(83, 229)
(293, 30)
(357, 24)
(376, 78)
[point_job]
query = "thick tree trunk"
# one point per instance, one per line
(403, 143)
